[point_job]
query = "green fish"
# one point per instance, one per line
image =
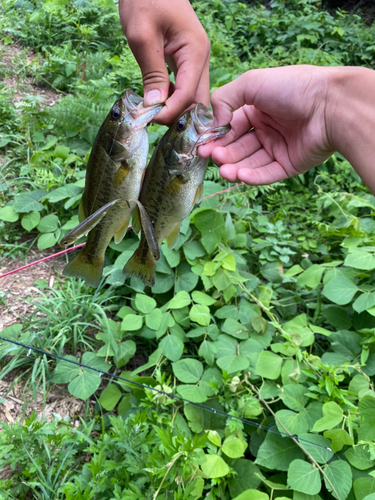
(173, 184)
(88, 224)
(115, 171)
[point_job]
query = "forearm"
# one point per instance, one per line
(350, 117)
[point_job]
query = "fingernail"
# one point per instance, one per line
(153, 97)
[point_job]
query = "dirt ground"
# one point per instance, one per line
(16, 290)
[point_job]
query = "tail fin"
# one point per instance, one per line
(82, 267)
(141, 267)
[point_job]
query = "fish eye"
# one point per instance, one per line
(181, 125)
(115, 114)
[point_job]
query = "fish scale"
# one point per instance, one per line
(114, 172)
(172, 185)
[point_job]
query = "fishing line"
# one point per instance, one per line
(163, 393)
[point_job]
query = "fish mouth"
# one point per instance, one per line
(203, 120)
(140, 115)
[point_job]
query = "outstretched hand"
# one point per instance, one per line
(168, 31)
(279, 126)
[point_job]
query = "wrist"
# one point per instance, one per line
(350, 118)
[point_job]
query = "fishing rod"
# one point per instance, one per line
(163, 393)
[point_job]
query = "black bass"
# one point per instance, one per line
(114, 172)
(172, 185)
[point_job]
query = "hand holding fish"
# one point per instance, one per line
(290, 119)
(168, 31)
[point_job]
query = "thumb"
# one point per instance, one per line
(149, 53)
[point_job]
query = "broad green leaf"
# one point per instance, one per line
(214, 467)
(232, 364)
(195, 417)
(359, 457)
(293, 396)
(320, 454)
(48, 224)
(200, 314)
(340, 290)
(332, 416)
(188, 370)
(225, 346)
(46, 240)
(268, 365)
(131, 323)
(65, 371)
(277, 452)
(304, 477)
(339, 474)
(144, 303)
(214, 438)
(8, 214)
(234, 447)
(192, 393)
(29, 201)
(172, 256)
(311, 277)
(360, 260)
(207, 350)
(63, 192)
(235, 329)
(193, 250)
(124, 352)
(295, 423)
(202, 298)
(186, 282)
(246, 477)
(363, 487)
(252, 495)
(110, 397)
(84, 385)
(153, 319)
(180, 300)
(172, 347)
(363, 302)
(30, 220)
(339, 438)
(163, 283)
(211, 225)
(367, 410)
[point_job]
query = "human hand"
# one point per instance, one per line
(279, 127)
(168, 31)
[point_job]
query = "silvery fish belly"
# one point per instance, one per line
(114, 172)
(172, 185)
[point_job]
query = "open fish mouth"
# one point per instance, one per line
(136, 112)
(203, 120)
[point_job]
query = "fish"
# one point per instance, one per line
(88, 224)
(173, 184)
(115, 171)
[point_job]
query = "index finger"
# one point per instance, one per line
(192, 86)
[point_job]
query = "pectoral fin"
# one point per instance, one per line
(173, 236)
(175, 185)
(121, 175)
(136, 221)
(198, 194)
(87, 225)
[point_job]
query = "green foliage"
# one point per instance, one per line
(264, 309)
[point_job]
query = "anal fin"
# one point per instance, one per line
(120, 233)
